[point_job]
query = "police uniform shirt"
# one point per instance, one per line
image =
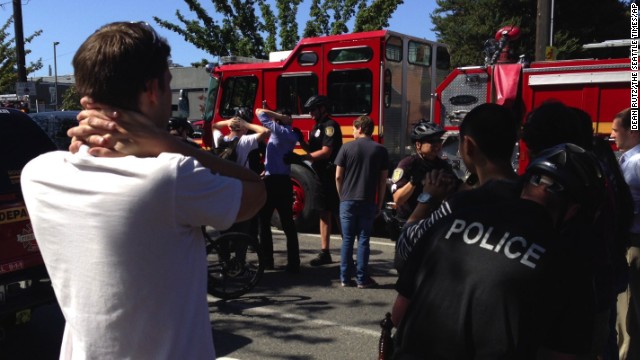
(489, 282)
(414, 166)
(325, 133)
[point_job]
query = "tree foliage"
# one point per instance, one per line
(8, 59)
(71, 99)
(233, 27)
(236, 33)
(465, 25)
(287, 11)
(375, 16)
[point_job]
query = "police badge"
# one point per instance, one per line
(397, 175)
(329, 131)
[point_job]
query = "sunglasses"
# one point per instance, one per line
(145, 25)
(553, 187)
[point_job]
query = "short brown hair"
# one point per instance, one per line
(114, 65)
(625, 118)
(365, 125)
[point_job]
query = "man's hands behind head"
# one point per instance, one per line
(112, 132)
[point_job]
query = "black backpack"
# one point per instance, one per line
(227, 150)
(255, 158)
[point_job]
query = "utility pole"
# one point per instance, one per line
(55, 70)
(17, 22)
(543, 22)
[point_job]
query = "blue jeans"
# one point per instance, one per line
(356, 218)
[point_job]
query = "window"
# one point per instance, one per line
(350, 91)
(419, 54)
(293, 90)
(238, 92)
(394, 49)
(443, 60)
(212, 96)
(307, 58)
(349, 55)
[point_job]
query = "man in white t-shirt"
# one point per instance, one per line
(118, 219)
(246, 152)
(238, 129)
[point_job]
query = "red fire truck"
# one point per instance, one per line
(397, 80)
(600, 87)
(388, 76)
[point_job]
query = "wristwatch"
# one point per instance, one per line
(424, 198)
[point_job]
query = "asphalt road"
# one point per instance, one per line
(302, 316)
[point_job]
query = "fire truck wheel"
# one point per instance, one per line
(305, 200)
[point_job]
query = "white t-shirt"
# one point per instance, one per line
(122, 243)
(245, 145)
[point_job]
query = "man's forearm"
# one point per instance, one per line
(382, 188)
(324, 153)
(399, 309)
(216, 164)
(402, 195)
(272, 114)
(422, 211)
(220, 124)
(339, 176)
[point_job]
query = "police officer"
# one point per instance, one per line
(325, 141)
(466, 292)
(181, 128)
(408, 176)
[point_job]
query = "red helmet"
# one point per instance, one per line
(512, 33)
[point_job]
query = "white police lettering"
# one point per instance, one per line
(513, 247)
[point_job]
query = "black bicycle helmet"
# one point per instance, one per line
(426, 130)
(576, 170)
(180, 124)
(244, 114)
(316, 100)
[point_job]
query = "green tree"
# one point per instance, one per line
(375, 16)
(465, 25)
(319, 22)
(287, 11)
(238, 33)
(234, 28)
(330, 17)
(270, 26)
(71, 99)
(8, 59)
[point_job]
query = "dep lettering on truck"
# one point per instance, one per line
(13, 214)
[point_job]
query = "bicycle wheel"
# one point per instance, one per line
(234, 265)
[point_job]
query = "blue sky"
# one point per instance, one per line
(70, 22)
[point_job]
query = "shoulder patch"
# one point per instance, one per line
(329, 130)
(397, 174)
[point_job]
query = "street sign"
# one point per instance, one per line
(25, 88)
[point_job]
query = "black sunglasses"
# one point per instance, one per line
(149, 28)
(432, 141)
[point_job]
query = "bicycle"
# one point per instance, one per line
(235, 263)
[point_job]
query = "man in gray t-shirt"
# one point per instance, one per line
(361, 173)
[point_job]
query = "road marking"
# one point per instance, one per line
(326, 323)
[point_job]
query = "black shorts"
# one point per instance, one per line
(328, 197)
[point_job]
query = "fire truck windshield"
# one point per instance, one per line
(212, 95)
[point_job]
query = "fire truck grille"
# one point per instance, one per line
(464, 93)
